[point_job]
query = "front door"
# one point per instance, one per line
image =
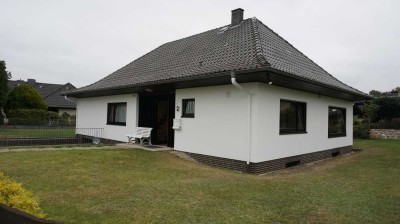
(162, 121)
(156, 110)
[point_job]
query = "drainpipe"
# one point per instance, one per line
(237, 85)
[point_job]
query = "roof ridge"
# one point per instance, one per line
(307, 57)
(55, 91)
(259, 51)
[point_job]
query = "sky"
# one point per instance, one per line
(80, 42)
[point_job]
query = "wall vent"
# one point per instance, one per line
(293, 163)
(334, 154)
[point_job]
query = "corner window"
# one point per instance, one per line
(292, 117)
(336, 122)
(116, 114)
(188, 108)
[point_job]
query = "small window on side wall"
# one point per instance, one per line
(336, 122)
(116, 114)
(188, 108)
(292, 118)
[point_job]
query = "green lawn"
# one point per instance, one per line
(136, 186)
(37, 132)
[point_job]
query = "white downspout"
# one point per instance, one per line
(237, 85)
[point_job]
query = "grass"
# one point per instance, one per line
(137, 186)
(37, 132)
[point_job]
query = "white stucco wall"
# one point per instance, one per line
(92, 113)
(220, 126)
(269, 144)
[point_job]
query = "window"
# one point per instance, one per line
(292, 117)
(336, 122)
(188, 108)
(116, 114)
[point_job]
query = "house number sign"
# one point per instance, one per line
(177, 108)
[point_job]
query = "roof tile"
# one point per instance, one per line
(246, 46)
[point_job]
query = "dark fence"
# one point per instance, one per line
(23, 135)
(387, 124)
(14, 216)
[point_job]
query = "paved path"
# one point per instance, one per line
(126, 146)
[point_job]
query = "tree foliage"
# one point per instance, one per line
(375, 93)
(24, 96)
(4, 77)
(389, 108)
(370, 111)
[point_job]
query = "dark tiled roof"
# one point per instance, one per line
(51, 93)
(249, 45)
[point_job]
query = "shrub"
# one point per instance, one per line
(32, 117)
(360, 129)
(361, 134)
(50, 115)
(14, 195)
(27, 117)
(24, 96)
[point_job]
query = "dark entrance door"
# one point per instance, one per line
(156, 110)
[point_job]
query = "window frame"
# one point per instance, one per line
(337, 135)
(291, 131)
(113, 106)
(184, 103)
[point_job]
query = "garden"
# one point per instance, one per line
(138, 186)
(381, 113)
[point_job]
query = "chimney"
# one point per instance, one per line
(31, 81)
(237, 16)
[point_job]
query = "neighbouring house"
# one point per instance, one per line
(51, 93)
(238, 96)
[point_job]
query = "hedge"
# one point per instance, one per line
(36, 117)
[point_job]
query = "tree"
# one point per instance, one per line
(4, 77)
(375, 93)
(389, 108)
(370, 111)
(24, 96)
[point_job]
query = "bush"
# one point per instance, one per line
(14, 195)
(361, 133)
(32, 117)
(27, 117)
(360, 129)
(24, 96)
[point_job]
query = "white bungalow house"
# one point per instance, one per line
(241, 96)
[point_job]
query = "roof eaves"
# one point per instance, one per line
(356, 93)
(166, 81)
